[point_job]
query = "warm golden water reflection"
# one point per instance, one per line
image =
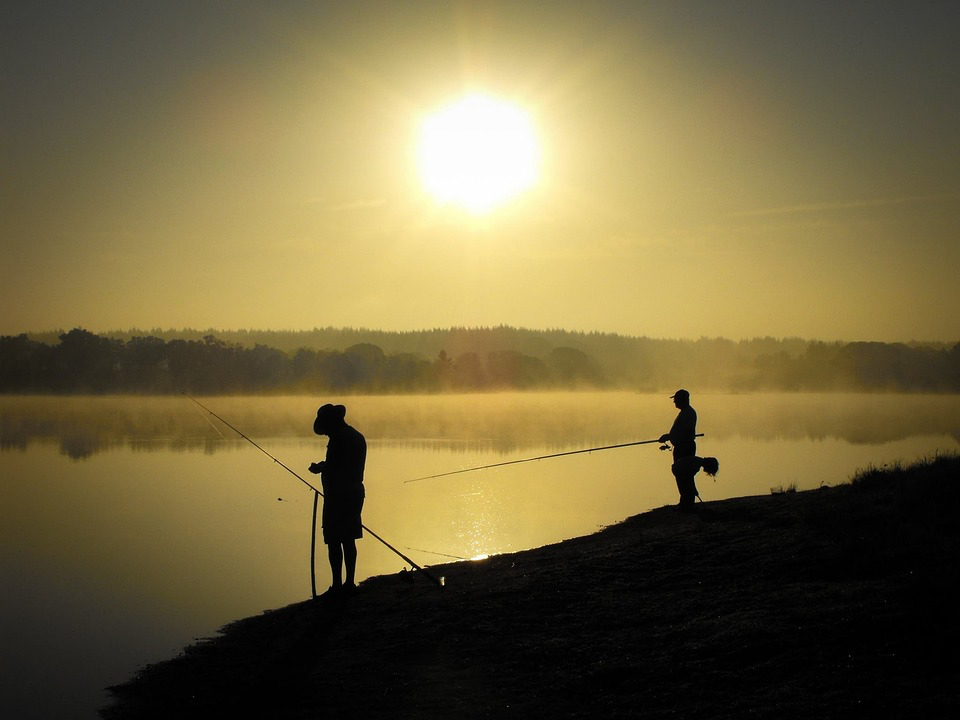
(131, 525)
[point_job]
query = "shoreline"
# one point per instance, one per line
(835, 602)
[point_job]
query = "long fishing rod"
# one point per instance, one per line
(318, 493)
(539, 457)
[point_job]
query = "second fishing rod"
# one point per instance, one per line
(543, 457)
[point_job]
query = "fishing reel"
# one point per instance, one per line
(666, 446)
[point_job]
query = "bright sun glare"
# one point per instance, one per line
(478, 153)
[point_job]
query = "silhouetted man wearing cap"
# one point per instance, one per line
(341, 475)
(683, 437)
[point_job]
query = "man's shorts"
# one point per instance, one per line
(341, 515)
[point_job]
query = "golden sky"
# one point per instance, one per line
(713, 168)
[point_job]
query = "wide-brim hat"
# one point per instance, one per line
(328, 415)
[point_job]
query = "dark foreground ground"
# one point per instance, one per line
(833, 603)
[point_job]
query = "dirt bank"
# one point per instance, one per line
(832, 603)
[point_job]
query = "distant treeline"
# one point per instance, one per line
(458, 360)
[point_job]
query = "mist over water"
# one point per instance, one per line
(131, 526)
(500, 422)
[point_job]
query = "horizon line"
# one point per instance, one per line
(455, 328)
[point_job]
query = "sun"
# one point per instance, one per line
(477, 153)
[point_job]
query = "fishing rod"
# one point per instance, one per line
(539, 457)
(317, 495)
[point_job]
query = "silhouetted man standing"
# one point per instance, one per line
(683, 437)
(341, 475)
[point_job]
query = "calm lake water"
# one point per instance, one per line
(132, 526)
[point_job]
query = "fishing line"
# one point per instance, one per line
(440, 582)
(539, 457)
(433, 552)
(210, 423)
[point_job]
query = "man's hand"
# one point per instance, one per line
(316, 468)
(664, 437)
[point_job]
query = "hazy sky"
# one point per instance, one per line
(736, 169)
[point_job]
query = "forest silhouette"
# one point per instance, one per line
(458, 360)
